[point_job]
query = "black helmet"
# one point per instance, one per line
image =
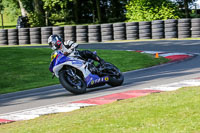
(55, 42)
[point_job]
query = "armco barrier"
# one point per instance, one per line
(157, 29)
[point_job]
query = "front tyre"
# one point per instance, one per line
(72, 82)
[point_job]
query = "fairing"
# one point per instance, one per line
(58, 60)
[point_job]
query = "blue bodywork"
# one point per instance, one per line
(91, 79)
(58, 58)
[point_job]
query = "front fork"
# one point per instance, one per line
(72, 74)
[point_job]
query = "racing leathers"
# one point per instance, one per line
(69, 48)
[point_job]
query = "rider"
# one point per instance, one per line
(69, 47)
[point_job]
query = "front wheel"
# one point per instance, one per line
(72, 82)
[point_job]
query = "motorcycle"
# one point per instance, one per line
(76, 74)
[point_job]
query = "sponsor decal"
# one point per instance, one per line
(99, 80)
(77, 62)
(106, 78)
(92, 82)
(53, 56)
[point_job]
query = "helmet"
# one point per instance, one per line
(55, 42)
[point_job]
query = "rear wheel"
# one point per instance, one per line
(116, 78)
(72, 81)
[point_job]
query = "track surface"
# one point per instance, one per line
(133, 80)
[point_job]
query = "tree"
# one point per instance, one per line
(37, 16)
(50, 12)
(148, 10)
(184, 4)
(32, 9)
(1, 12)
(23, 10)
(76, 10)
(38, 6)
(117, 10)
(11, 8)
(58, 11)
(98, 11)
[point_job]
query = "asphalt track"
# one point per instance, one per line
(134, 80)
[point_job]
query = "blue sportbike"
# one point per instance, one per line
(76, 74)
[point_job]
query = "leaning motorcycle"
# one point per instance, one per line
(76, 74)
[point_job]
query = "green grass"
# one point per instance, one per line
(26, 68)
(167, 112)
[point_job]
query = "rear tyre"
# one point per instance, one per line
(115, 76)
(116, 80)
(74, 84)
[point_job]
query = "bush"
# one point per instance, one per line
(148, 10)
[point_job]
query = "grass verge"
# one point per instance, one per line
(25, 68)
(167, 112)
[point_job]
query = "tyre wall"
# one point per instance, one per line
(119, 31)
(59, 31)
(35, 35)
(70, 33)
(82, 33)
(184, 28)
(171, 29)
(145, 30)
(94, 33)
(106, 32)
(45, 33)
(12, 36)
(24, 36)
(3, 37)
(132, 31)
(195, 28)
(157, 29)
